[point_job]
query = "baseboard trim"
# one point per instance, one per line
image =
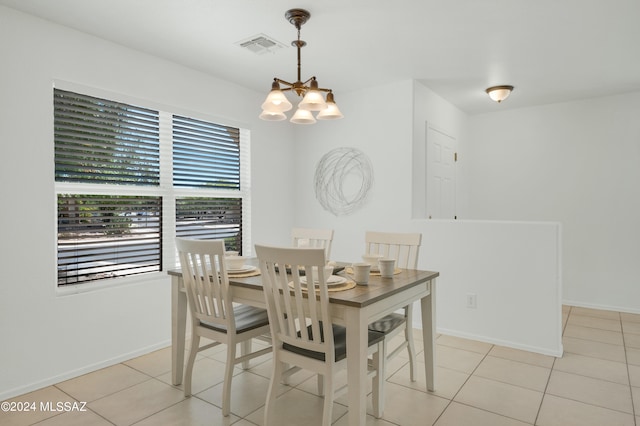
(509, 344)
(21, 390)
(600, 307)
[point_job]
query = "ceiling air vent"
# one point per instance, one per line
(260, 44)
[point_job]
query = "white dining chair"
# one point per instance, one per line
(404, 248)
(313, 238)
(302, 329)
(214, 316)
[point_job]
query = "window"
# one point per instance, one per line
(126, 187)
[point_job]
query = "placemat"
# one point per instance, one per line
(349, 270)
(253, 273)
(347, 285)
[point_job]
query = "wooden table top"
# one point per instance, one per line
(361, 295)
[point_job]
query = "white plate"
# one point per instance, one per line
(245, 268)
(333, 280)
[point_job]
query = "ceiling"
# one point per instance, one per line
(550, 50)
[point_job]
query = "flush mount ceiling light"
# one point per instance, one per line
(277, 104)
(499, 93)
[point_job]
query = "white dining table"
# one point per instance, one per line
(354, 308)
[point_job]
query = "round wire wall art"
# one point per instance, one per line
(343, 179)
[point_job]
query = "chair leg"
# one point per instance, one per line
(320, 383)
(245, 348)
(228, 376)
(327, 409)
(188, 372)
(411, 347)
(285, 380)
(269, 408)
(378, 380)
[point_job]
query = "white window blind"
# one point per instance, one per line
(101, 141)
(205, 154)
(102, 236)
(210, 218)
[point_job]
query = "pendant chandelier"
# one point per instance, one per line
(276, 104)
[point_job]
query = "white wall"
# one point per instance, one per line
(82, 332)
(514, 271)
(468, 254)
(378, 122)
(577, 163)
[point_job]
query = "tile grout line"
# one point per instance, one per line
(462, 386)
(626, 360)
(595, 341)
(594, 378)
(184, 398)
(544, 393)
(483, 409)
(623, 346)
(75, 399)
(564, 326)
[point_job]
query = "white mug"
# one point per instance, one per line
(361, 273)
(387, 267)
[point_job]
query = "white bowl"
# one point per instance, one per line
(328, 271)
(234, 262)
(372, 259)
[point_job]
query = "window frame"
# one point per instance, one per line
(166, 190)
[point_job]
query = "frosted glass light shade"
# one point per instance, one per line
(313, 101)
(331, 112)
(499, 93)
(272, 116)
(276, 102)
(303, 116)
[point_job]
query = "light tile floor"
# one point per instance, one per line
(596, 382)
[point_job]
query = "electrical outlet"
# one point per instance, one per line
(472, 301)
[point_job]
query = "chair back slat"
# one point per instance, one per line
(205, 280)
(313, 238)
(403, 247)
(292, 309)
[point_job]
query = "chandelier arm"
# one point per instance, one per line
(320, 89)
(308, 80)
(284, 82)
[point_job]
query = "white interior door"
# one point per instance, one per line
(440, 174)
